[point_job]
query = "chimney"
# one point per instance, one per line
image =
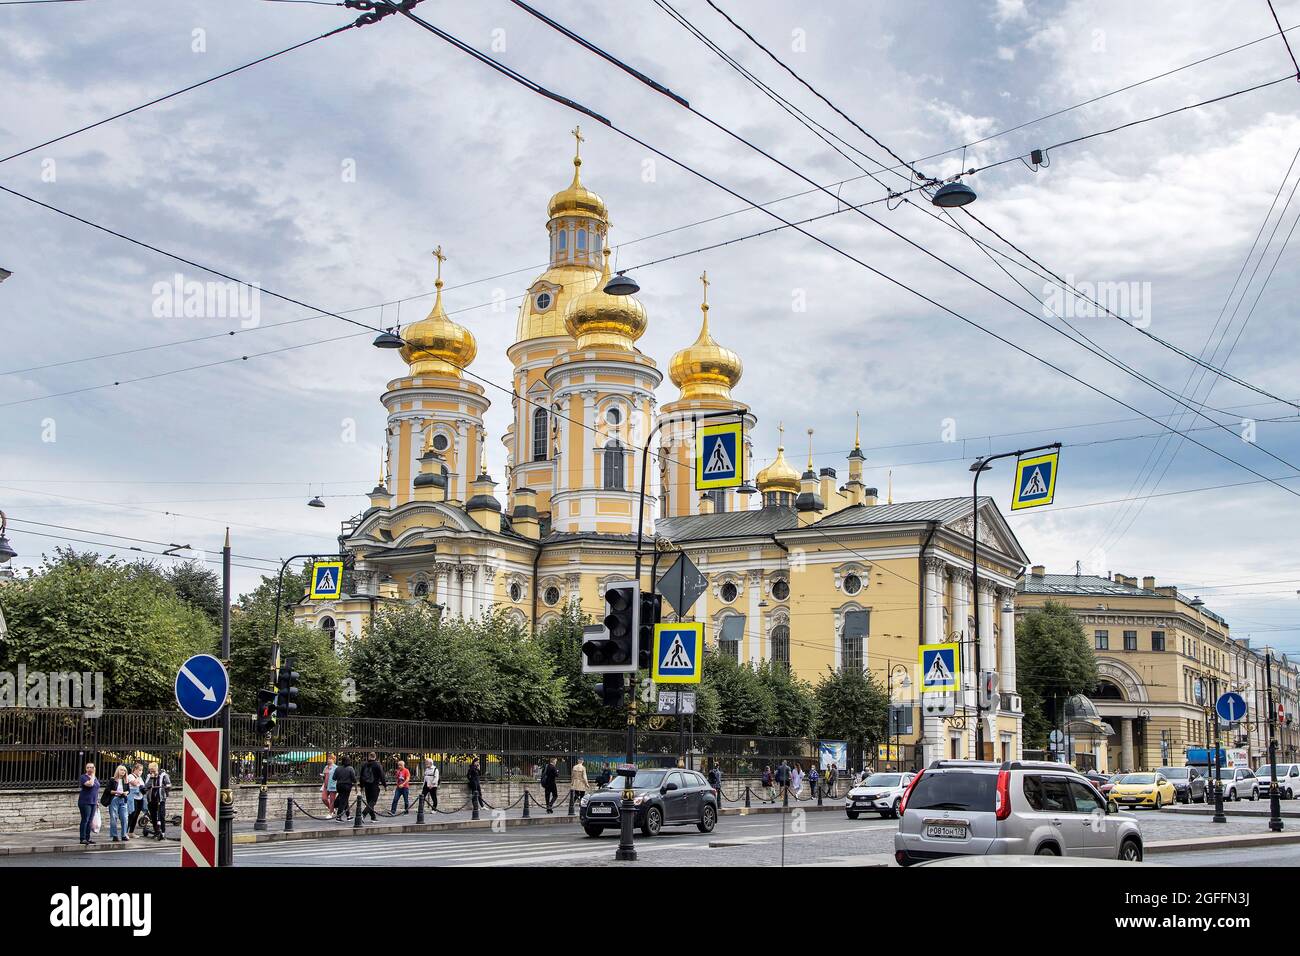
(809, 502)
(524, 516)
(869, 496)
(827, 481)
(483, 506)
(1037, 571)
(706, 504)
(1149, 583)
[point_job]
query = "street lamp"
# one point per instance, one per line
(7, 552)
(316, 502)
(622, 284)
(953, 195)
(894, 714)
(387, 340)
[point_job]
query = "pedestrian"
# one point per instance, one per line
(715, 779)
(345, 778)
(135, 797)
(156, 787)
(578, 780)
(328, 788)
(603, 778)
(431, 778)
(372, 779)
(796, 779)
(814, 777)
(88, 802)
(783, 776)
(116, 795)
(768, 790)
(550, 777)
(402, 788)
(474, 780)
(831, 774)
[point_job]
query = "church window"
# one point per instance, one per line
(328, 625)
(781, 645)
(582, 240)
(543, 301)
(781, 590)
(421, 589)
(853, 640)
(852, 584)
(551, 595)
(613, 415)
(440, 442)
(613, 466)
(539, 434)
(564, 240)
(516, 591)
(729, 591)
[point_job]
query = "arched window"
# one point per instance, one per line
(582, 240)
(564, 239)
(421, 589)
(613, 466)
(328, 625)
(781, 645)
(853, 640)
(540, 437)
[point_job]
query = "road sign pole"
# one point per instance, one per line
(226, 808)
(1218, 758)
(1274, 805)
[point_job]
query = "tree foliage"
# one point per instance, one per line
(1054, 660)
(794, 702)
(854, 707)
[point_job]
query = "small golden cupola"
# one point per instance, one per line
(778, 478)
(436, 345)
(600, 320)
(705, 369)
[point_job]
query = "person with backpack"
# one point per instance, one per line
(715, 780)
(402, 788)
(156, 787)
(831, 774)
(372, 778)
(431, 778)
(550, 788)
(345, 778)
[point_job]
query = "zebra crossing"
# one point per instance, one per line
(504, 850)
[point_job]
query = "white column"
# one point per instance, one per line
(589, 440)
(461, 492)
(960, 612)
(1007, 653)
(933, 729)
(757, 642)
(988, 645)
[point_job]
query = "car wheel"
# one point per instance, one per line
(708, 820)
(593, 831)
(1130, 851)
(1254, 794)
(654, 822)
(851, 814)
(1160, 801)
(1185, 797)
(894, 811)
(1047, 850)
(1287, 795)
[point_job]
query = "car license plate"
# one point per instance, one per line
(602, 809)
(945, 831)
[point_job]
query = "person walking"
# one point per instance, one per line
(783, 777)
(431, 778)
(117, 794)
(328, 788)
(135, 797)
(474, 780)
(372, 778)
(156, 787)
(345, 778)
(715, 779)
(88, 802)
(578, 780)
(550, 778)
(768, 790)
(796, 779)
(831, 774)
(814, 778)
(402, 788)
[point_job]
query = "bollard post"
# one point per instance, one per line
(785, 796)
(473, 802)
(288, 814)
(820, 790)
(419, 811)
(570, 801)
(526, 813)
(746, 796)
(356, 819)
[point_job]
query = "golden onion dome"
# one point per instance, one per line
(577, 199)
(597, 318)
(778, 476)
(436, 345)
(705, 369)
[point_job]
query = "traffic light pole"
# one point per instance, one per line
(1274, 805)
(226, 811)
(1218, 755)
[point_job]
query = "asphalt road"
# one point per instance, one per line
(796, 839)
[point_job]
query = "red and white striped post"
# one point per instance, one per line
(202, 783)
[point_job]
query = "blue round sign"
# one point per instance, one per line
(202, 685)
(1231, 707)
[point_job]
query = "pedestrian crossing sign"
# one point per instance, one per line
(940, 668)
(677, 654)
(1035, 481)
(718, 456)
(326, 580)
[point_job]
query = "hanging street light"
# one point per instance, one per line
(622, 284)
(952, 195)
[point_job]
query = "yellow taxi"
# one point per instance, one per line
(1149, 789)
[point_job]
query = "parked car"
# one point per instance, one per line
(664, 798)
(1288, 779)
(1149, 788)
(1240, 782)
(879, 793)
(977, 808)
(1189, 785)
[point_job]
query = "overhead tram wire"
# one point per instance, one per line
(1282, 34)
(919, 175)
(106, 534)
(604, 55)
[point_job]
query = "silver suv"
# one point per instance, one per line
(974, 808)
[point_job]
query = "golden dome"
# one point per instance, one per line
(436, 345)
(577, 199)
(705, 369)
(597, 318)
(778, 476)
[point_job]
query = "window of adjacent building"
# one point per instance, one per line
(852, 584)
(421, 589)
(1101, 640)
(729, 592)
(781, 590)
(551, 595)
(516, 591)
(853, 639)
(781, 645)
(540, 434)
(1130, 640)
(730, 649)
(1157, 640)
(330, 627)
(613, 466)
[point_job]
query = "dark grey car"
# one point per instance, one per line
(1189, 784)
(664, 798)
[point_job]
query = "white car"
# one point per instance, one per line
(880, 793)
(1288, 779)
(1238, 783)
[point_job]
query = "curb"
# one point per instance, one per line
(1235, 842)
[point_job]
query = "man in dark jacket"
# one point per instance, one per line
(345, 778)
(474, 782)
(783, 776)
(715, 780)
(550, 777)
(372, 778)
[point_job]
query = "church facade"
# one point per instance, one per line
(802, 568)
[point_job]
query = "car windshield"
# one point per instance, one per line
(1283, 769)
(1146, 778)
(954, 790)
(883, 780)
(644, 780)
(1174, 773)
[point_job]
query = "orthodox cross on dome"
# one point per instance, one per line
(704, 279)
(438, 254)
(780, 431)
(578, 140)
(857, 431)
(810, 435)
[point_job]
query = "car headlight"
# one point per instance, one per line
(636, 801)
(584, 801)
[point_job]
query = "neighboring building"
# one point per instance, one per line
(818, 576)
(1161, 655)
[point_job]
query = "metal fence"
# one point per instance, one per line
(47, 749)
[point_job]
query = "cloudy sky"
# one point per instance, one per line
(328, 175)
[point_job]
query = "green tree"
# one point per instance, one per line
(87, 613)
(794, 701)
(561, 638)
(252, 621)
(529, 688)
(746, 705)
(1054, 660)
(852, 706)
(197, 586)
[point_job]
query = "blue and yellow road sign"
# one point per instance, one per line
(678, 654)
(718, 456)
(940, 668)
(1035, 481)
(326, 580)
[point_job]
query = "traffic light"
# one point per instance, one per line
(610, 690)
(610, 647)
(286, 688)
(989, 696)
(651, 612)
(265, 711)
